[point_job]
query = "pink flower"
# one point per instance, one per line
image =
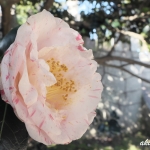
(50, 80)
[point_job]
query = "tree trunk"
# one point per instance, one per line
(47, 4)
(6, 17)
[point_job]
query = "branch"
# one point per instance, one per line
(129, 33)
(104, 59)
(136, 17)
(136, 36)
(123, 69)
(125, 65)
(113, 48)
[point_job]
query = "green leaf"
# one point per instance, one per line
(145, 9)
(115, 23)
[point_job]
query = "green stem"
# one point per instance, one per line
(3, 121)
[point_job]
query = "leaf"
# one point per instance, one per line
(114, 125)
(114, 115)
(8, 40)
(115, 23)
(14, 135)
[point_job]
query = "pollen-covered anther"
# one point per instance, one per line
(65, 97)
(64, 87)
(55, 65)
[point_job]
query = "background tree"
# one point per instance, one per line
(107, 18)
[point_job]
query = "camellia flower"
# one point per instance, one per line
(50, 80)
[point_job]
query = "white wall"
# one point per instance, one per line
(123, 92)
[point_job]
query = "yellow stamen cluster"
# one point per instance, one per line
(63, 88)
(55, 66)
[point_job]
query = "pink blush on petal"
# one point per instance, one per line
(80, 48)
(16, 101)
(79, 37)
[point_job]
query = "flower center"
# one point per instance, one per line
(58, 95)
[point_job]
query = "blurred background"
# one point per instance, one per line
(118, 32)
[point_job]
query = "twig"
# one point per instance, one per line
(129, 33)
(104, 59)
(123, 69)
(136, 36)
(3, 121)
(113, 48)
